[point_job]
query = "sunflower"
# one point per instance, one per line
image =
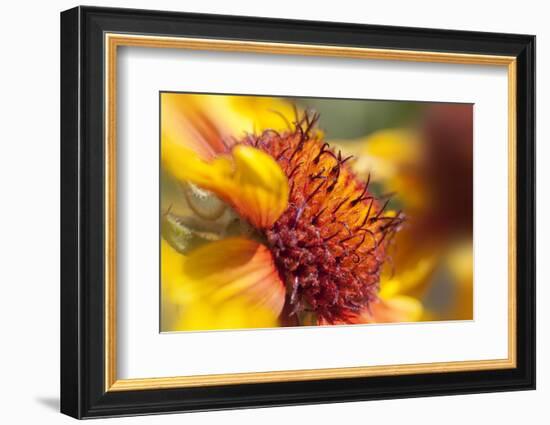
(266, 224)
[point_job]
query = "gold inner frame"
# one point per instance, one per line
(113, 41)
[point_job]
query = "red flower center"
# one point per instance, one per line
(331, 242)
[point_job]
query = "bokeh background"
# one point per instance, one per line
(420, 153)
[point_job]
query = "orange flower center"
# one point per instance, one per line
(331, 242)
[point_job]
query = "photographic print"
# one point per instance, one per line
(285, 211)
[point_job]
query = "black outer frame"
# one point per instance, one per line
(82, 206)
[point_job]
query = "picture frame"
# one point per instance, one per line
(91, 37)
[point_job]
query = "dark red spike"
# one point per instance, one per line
(340, 205)
(394, 221)
(278, 158)
(296, 167)
(316, 216)
(331, 236)
(322, 152)
(299, 146)
(384, 234)
(368, 213)
(347, 159)
(371, 234)
(311, 123)
(271, 131)
(343, 223)
(380, 211)
(318, 175)
(312, 194)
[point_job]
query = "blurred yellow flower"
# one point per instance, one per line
(390, 156)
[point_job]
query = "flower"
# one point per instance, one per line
(282, 231)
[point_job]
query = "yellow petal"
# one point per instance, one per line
(175, 293)
(251, 181)
(187, 120)
(262, 113)
(171, 268)
(208, 124)
(260, 187)
(236, 267)
(234, 284)
(185, 306)
(237, 314)
(397, 309)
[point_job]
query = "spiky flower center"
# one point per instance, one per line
(331, 242)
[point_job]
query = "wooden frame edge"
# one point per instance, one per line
(306, 375)
(114, 40)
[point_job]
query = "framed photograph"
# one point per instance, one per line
(261, 212)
